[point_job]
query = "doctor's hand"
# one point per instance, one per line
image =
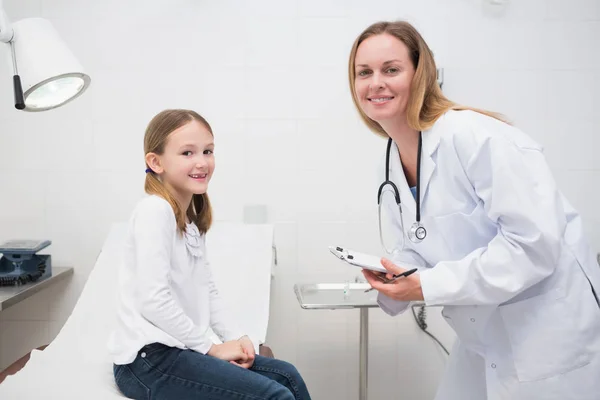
(406, 288)
(248, 348)
(229, 351)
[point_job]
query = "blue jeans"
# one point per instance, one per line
(161, 372)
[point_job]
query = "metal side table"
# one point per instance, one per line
(11, 295)
(334, 296)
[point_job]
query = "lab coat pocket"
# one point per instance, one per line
(448, 318)
(544, 336)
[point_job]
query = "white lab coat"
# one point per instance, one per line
(506, 257)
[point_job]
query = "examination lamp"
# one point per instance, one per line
(46, 74)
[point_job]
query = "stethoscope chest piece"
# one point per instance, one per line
(417, 233)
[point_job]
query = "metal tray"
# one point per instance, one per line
(331, 296)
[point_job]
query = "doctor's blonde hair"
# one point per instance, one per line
(155, 139)
(426, 102)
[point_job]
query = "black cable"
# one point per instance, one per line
(422, 323)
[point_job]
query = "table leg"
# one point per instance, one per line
(364, 353)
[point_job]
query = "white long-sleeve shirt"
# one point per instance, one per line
(166, 290)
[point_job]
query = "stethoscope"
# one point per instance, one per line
(417, 231)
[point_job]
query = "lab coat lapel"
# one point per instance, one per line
(431, 141)
(397, 176)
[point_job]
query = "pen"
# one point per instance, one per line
(404, 274)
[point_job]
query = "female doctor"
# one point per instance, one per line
(498, 246)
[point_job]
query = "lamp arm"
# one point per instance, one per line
(7, 35)
(17, 86)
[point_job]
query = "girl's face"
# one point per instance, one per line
(187, 163)
(383, 72)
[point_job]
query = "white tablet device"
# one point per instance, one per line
(361, 260)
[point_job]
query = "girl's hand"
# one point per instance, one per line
(229, 351)
(248, 348)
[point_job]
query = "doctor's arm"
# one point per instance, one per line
(519, 194)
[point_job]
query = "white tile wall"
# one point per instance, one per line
(270, 76)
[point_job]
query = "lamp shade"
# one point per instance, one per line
(50, 74)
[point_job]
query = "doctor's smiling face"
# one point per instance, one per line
(383, 72)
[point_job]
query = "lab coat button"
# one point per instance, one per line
(493, 365)
(143, 355)
(472, 319)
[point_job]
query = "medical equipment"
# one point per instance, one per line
(421, 320)
(440, 77)
(358, 259)
(46, 74)
(417, 231)
(331, 296)
(20, 264)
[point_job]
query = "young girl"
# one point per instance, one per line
(167, 297)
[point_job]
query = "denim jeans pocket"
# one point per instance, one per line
(129, 384)
(159, 356)
(152, 348)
